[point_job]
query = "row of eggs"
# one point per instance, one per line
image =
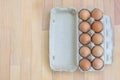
(96, 38)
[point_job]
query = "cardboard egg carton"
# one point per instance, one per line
(64, 39)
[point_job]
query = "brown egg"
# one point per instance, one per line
(85, 38)
(97, 26)
(97, 51)
(85, 64)
(97, 14)
(84, 26)
(84, 14)
(97, 63)
(97, 38)
(84, 51)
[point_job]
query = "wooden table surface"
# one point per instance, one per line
(24, 36)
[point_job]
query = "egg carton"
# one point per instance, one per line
(64, 40)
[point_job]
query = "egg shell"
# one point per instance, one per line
(97, 26)
(97, 63)
(84, 26)
(85, 38)
(84, 51)
(97, 51)
(97, 38)
(85, 64)
(84, 14)
(97, 14)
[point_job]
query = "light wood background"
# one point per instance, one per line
(24, 36)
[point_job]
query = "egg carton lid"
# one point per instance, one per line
(63, 39)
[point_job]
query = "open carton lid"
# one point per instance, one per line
(63, 39)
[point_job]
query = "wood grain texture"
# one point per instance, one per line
(48, 4)
(16, 38)
(116, 64)
(4, 41)
(27, 42)
(36, 58)
(117, 11)
(109, 9)
(24, 40)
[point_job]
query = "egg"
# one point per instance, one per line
(97, 51)
(85, 64)
(84, 14)
(97, 38)
(97, 26)
(97, 14)
(97, 63)
(84, 26)
(85, 38)
(84, 51)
